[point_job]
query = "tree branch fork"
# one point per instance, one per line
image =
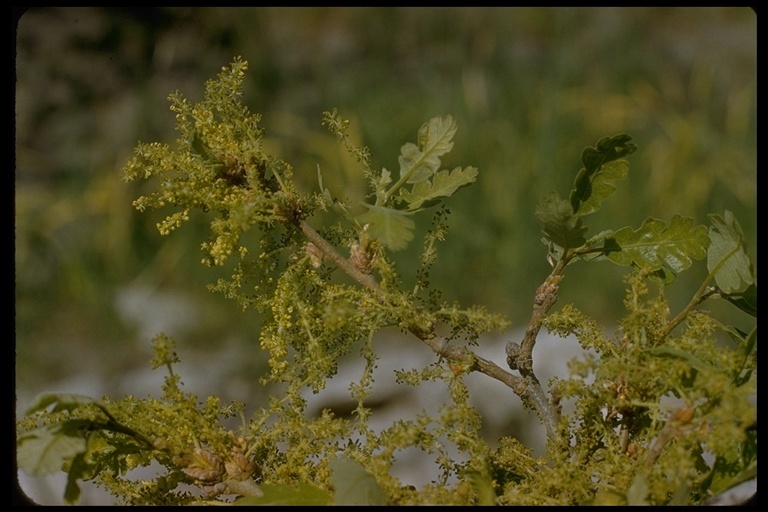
(526, 385)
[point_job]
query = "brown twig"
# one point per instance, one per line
(527, 387)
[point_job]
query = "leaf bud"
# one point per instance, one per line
(513, 351)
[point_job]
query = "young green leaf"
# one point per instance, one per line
(44, 450)
(77, 469)
(380, 185)
(444, 184)
(745, 301)
(727, 255)
(637, 494)
(282, 494)
(483, 485)
(561, 226)
(657, 245)
(63, 401)
(420, 162)
(392, 227)
(354, 485)
(591, 186)
(600, 187)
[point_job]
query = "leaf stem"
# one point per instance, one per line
(402, 181)
(700, 296)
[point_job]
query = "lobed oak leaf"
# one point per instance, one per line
(658, 246)
(444, 184)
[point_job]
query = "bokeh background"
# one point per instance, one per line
(529, 88)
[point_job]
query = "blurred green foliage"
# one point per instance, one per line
(528, 87)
